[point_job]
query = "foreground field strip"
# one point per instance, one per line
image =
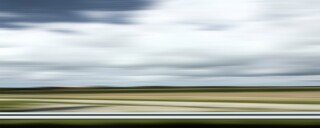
(107, 107)
(159, 116)
(139, 122)
(185, 104)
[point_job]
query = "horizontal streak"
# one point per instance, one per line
(211, 115)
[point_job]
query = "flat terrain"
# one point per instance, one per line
(161, 100)
(161, 123)
(145, 106)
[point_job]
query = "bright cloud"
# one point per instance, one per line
(170, 42)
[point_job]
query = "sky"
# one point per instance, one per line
(159, 42)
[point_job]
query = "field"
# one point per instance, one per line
(162, 123)
(160, 99)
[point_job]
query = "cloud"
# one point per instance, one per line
(168, 42)
(46, 11)
(9, 15)
(116, 17)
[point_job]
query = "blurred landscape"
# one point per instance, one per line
(203, 55)
(159, 99)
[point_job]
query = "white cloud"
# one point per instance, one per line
(175, 40)
(200, 12)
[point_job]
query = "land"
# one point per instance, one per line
(159, 99)
(162, 123)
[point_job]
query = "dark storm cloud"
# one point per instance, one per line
(65, 10)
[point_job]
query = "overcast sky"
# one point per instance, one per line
(159, 42)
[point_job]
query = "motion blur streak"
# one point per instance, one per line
(159, 55)
(159, 42)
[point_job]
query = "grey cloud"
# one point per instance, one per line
(39, 66)
(64, 31)
(40, 11)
